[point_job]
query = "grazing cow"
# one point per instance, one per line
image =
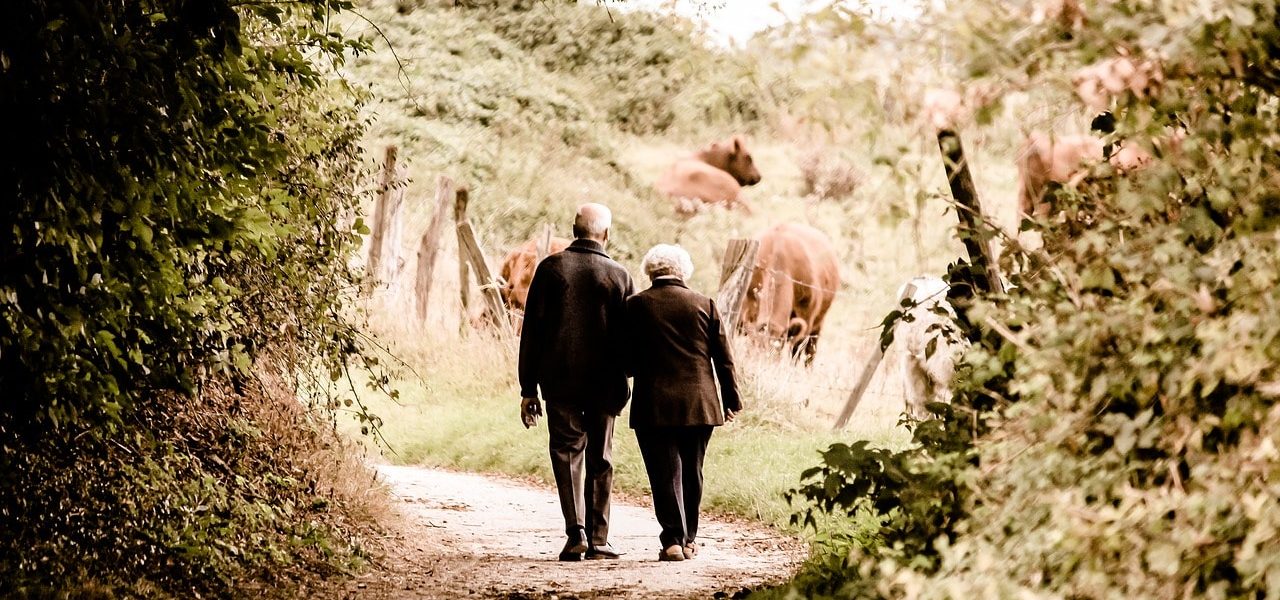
(1099, 83)
(517, 273)
(1064, 160)
(927, 371)
(714, 175)
(792, 285)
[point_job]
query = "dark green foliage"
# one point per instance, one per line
(917, 494)
(159, 166)
(176, 174)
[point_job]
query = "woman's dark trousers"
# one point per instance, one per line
(673, 458)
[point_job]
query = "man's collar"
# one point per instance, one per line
(667, 281)
(587, 245)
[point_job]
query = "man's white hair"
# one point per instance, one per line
(592, 220)
(666, 260)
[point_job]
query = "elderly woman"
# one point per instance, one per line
(678, 349)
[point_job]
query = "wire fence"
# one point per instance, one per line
(455, 308)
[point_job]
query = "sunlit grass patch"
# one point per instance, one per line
(461, 412)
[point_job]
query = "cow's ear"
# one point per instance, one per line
(737, 144)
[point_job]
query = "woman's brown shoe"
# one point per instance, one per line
(671, 553)
(690, 551)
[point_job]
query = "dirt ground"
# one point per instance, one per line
(463, 535)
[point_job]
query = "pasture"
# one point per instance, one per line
(460, 410)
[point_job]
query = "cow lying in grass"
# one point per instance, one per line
(713, 175)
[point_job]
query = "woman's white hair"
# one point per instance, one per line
(666, 260)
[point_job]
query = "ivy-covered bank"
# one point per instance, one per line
(176, 179)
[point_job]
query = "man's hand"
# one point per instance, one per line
(729, 415)
(530, 410)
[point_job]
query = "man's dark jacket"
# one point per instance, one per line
(572, 341)
(677, 347)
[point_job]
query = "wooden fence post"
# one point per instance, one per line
(544, 245)
(430, 246)
(488, 285)
(868, 370)
(735, 277)
(392, 263)
(986, 276)
(459, 217)
(381, 214)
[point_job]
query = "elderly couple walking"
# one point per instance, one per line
(585, 330)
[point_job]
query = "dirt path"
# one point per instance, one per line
(473, 536)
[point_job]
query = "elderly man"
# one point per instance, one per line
(678, 349)
(571, 347)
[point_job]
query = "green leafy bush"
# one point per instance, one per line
(177, 185)
(651, 69)
(1128, 440)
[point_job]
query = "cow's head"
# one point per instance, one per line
(733, 158)
(754, 321)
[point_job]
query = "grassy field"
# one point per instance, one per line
(471, 94)
(463, 413)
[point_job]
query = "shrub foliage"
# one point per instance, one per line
(176, 173)
(1114, 431)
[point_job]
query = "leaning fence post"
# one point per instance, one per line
(986, 276)
(735, 276)
(488, 285)
(430, 246)
(868, 370)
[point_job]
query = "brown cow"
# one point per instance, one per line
(1065, 160)
(714, 175)
(792, 285)
(517, 273)
(1101, 82)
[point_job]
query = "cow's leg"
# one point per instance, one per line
(1033, 174)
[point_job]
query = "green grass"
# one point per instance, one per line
(463, 413)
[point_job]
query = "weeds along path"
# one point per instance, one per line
(474, 536)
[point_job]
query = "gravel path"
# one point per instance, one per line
(473, 536)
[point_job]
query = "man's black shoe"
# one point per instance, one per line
(605, 552)
(574, 546)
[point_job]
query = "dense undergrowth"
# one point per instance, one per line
(173, 259)
(1114, 430)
